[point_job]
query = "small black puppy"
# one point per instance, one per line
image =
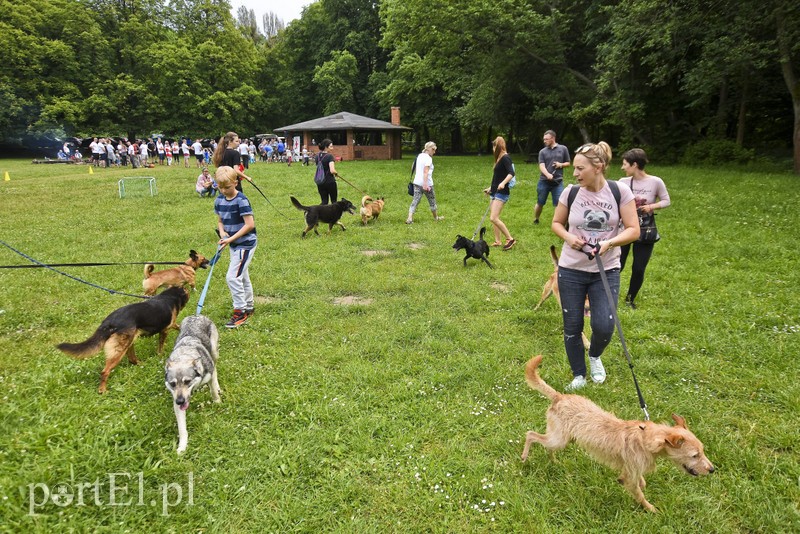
(475, 249)
(324, 213)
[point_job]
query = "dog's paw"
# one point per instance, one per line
(181, 450)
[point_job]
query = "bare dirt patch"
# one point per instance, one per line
(266, 299)
(416, 246)
(375, 252)
(353, 300)
(500, 287)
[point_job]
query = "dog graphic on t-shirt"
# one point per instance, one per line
(595, 221)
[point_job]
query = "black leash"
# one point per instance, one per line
(91, 264)
(112, 291)
(268, 201)
(480, 224)
(595, 255)
(340, 177)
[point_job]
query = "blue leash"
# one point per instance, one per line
(202, 299)
(112, 291)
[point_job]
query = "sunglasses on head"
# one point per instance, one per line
(588, 147)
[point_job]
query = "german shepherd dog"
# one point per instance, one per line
(475, 249)
(370, 209)
(117, 333)
(324, 213)
(177, 276)
(191, 365)
(630, 447)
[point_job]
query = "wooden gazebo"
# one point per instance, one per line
(354, 137)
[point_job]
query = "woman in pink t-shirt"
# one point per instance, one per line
(594, 220)
(650, 194)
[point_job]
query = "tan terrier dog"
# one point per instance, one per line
(370, 209)
(630, 447)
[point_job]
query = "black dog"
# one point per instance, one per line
(475, 249)
(324, 213)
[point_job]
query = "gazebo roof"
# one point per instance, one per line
(341, 121)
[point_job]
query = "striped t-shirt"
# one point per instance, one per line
(232, 213)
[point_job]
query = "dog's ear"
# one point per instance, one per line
(193, 254)
(679, 421)
(674, 440)
(197, 365)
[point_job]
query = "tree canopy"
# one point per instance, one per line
(665, 76)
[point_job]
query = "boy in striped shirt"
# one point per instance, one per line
(237, 229)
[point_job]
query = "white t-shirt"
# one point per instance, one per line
(594, 217)
(185, 148)
(198, 148)
(243, 150)
(423, 160)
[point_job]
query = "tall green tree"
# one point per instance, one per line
(335, 80)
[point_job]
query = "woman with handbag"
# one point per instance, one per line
(650, 194)
(422, 183)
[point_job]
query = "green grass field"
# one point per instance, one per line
(405, 411)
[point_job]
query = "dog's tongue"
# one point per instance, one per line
(184, 406)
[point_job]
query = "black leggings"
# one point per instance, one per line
(641, 257)
(327, 191)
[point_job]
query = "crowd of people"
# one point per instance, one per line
(121, 152)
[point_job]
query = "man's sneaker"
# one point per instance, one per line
(249, 311)
(238, 319)
(577, 383)
(596, 370)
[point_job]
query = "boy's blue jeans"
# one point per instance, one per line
(574, 286)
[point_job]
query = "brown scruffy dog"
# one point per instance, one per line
(370, 209)
(177, 276)
(630, 447)
(117, 333)
(551, 288)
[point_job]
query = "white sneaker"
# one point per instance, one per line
(596, 370)
(577, 383)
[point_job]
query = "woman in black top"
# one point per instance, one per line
(499, 192)
(227, 155)
(328, 190)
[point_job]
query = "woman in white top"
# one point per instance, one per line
(593, 216)
(423, 182)
(650, 194)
